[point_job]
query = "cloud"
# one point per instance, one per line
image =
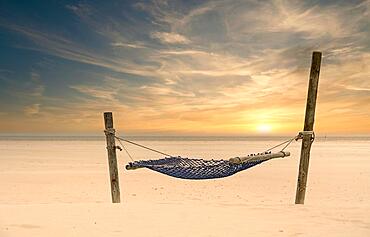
(120, 44)
(169, 37)
(32, 109)
(36, 88)
(358, 88)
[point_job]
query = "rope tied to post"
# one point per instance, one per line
(109, 131)
(297, 137)
(305, 133)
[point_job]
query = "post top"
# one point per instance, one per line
(108, 120)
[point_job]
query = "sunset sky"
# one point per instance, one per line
(183, 67)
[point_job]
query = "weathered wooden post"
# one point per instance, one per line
(112, 159)
(307, 135)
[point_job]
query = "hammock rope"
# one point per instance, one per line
(124, 147)
(190, 168)
(142, 146)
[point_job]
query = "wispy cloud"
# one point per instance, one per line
(59, 46)
(135, 46)
(32, 109)
(171, 38)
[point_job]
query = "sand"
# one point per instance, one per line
(61, 188)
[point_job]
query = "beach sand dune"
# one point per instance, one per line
(61, 188)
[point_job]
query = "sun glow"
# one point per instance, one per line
(264, 128)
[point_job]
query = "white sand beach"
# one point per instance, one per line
(61, 188)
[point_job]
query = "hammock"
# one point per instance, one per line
(186, 168)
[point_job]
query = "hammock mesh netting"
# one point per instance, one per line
(186, 168)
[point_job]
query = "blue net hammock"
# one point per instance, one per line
(186, 168)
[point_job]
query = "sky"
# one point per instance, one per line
(225, 67)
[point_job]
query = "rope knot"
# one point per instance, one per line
(110, 131)
(301, 134)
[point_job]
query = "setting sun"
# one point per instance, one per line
(264, 128)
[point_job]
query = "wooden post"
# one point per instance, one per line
(307, 138)
(112, 159)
